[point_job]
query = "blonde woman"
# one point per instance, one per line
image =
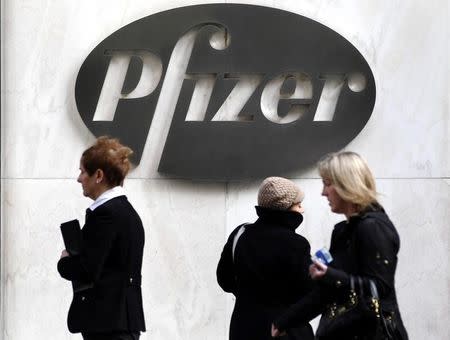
(364, 245)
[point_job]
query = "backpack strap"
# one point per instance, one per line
(237, 236)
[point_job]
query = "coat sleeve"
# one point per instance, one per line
(226, 274)
(376, 256)
(313, 296)
(70, 268)
(98, 236)
(304, 310)
(300, 267)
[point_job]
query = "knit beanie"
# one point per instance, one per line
(279, 193)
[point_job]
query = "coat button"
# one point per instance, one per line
(338, 283)
(83, 298)
(131, 280)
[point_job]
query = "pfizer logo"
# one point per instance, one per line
(249, 91)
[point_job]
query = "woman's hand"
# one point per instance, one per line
(276, 333)
(317, 270)
(64, 253)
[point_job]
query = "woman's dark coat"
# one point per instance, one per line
(269, 273)
(110, 266)
(365, 246)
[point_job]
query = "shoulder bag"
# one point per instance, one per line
(359, 317)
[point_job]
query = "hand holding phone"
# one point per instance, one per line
(323, 256)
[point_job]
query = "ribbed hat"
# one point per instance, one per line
(279, 193)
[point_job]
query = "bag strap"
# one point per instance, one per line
(236, 238)
(361, 286)
(352, 283)
(373, 289)
(372, 286)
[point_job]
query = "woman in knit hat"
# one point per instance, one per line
(265, 264)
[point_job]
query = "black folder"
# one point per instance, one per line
(71, 233)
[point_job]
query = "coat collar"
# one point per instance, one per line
(371, 210)
(106, 196)
(283, 218)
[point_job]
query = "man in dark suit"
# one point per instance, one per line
(106, 275)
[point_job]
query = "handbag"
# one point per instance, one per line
(360, 317)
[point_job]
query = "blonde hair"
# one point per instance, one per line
(110, 156)
(350, 175)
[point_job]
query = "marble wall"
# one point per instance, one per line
(405, 142)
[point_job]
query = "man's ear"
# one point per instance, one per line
(99, 176)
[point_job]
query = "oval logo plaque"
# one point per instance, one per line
(303, 90)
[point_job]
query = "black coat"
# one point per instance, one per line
(111, 259)
(269, 273)
(365, 246)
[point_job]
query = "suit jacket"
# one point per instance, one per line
(111, 259)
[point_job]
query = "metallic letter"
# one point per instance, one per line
(120, 67)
